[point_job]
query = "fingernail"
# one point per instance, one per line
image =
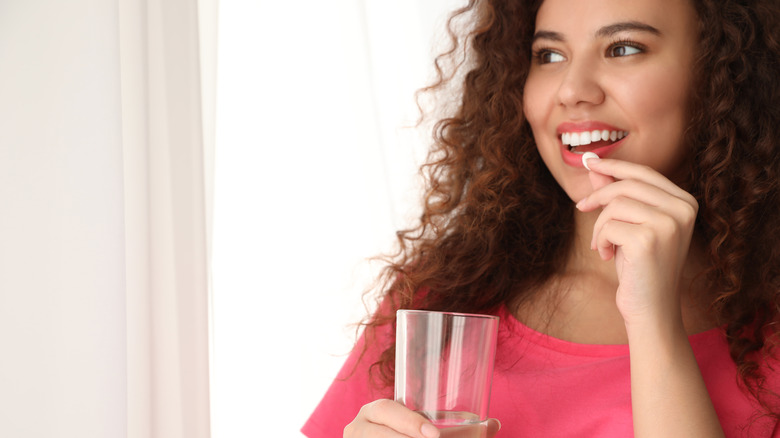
(581, 203)
(499, 423)
(589, 156)
(429, 430)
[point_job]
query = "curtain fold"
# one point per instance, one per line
(104, 213)
(167, 210)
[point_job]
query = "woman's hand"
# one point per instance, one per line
(646, 224)
(387, 418)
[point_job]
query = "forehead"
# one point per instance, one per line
(581, 17)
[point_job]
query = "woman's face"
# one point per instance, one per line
(614, 69)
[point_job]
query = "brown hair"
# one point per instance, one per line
(496, 225)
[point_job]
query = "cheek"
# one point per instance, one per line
(656, 106)
(530, 115)
(536, 119)
(657, 95)
(534, 102)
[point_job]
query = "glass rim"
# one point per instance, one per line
(457, 314)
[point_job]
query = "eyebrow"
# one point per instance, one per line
(634, 26)
(606, 31)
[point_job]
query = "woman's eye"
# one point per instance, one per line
(549, 57)
(618, 50)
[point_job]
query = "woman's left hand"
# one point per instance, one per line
(646, 224)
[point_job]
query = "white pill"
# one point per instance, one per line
(586, 156)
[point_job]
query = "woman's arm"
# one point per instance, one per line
(646, 225)
(668, 395)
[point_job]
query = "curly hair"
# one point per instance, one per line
(494, 226)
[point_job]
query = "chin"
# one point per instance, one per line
(576, 185)
(576, 195)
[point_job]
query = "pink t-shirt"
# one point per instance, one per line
(547, 387)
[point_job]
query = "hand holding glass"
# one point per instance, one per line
(444, 368)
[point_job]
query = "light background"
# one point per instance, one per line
(316, 168)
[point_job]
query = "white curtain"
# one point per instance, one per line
(105, 182)
(167, 113)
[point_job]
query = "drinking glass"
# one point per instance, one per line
(444, 368)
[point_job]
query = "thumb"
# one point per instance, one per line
(599, 180)
(493, 426)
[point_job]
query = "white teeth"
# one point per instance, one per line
(584, 138)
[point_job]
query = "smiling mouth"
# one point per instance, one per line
(592, 139)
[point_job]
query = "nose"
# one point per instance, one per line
(580, 85)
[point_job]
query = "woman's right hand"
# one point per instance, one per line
(387, 418)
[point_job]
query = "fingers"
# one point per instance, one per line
(619, 194)
(387, 418)
(638, 201)
(624, 170)
(598, 180)
(619, 212)
(625, 220)
(638, 190)
(390, 419)
(621, 234)
(670, 218)
(493, 426)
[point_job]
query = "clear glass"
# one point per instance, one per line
(444, 368)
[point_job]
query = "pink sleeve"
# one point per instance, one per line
(351, 389)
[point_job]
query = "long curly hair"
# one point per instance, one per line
(495, 224)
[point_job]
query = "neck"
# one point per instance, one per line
(582, 260)
(578, 304)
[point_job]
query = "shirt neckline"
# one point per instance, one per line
(511, 323)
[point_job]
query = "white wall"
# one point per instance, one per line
(62, 314)
(314, 174)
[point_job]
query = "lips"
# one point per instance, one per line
(577, 138)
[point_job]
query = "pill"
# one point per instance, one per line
(586, 156)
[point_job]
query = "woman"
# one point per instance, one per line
(639, 296)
